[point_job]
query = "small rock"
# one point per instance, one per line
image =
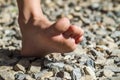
(108, 20)
(113, 68)
(22, 65)
(28, 77)
(68, 68)
(115, 34)
(57, 64)
(90, 72)
(19, 67)
(5, 68)
(39, 74)
(67, 76)
(35, 67)
(20, 76)
(115, 78)
(76, 74)
(109, 62)
(116, 52)
(7, 75)
(90, 63)
(108, 73)
(47, 75)
(56, 56)
(60, 74)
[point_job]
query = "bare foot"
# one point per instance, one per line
(40, 37)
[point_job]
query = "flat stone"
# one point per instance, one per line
(116, 52)
(109, 62)
(67, 76)
(113, 68)
(7, 75)
(28, 77)
(90, 72)
(5, 68)
(20, 76)
(115, 34)
(19, 67)
(76, 74)
(22, 65)
(35, 67)
(68, 68)
(47, 75)
(115, 78)
(108, 73)
(57, 64)
(56, 56)
(39, 74)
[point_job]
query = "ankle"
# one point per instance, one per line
(33, 18)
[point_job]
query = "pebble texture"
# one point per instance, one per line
(96, 58)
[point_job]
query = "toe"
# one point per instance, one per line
(78, 40)
(59, 27)
(73, 32)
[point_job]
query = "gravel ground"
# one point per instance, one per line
(96, 58)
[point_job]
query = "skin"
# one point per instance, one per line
(40, 36)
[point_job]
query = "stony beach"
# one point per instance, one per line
(97, 57)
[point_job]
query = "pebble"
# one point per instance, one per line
(7, 75)
(35, 67)
(116, 52)
(67, 76)
(43, 74)
(90, 72)
(47, 75)
(76, 74)
(108, 73)
(22, 65)
(68, 68)
(20, 76)
(28, 77)
(19, 67)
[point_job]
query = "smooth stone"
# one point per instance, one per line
(99, 73)
(56, 56)
(47, 75)
(116, 52)
(108, 73)
(115, 34)
(95, 5)
(57, 64)
(39, 74)
(109, 62)
(113, 68)
(108, 20)
(28, 77)
(89, 71)
(35, 67)
(20, 76)
(90, 63)
(76, 74)
(55, 78)
(19, 67)
(68, 68)
(67, 76)
(115, 78)
(7, 75)
(5, 68)
(22, 65)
